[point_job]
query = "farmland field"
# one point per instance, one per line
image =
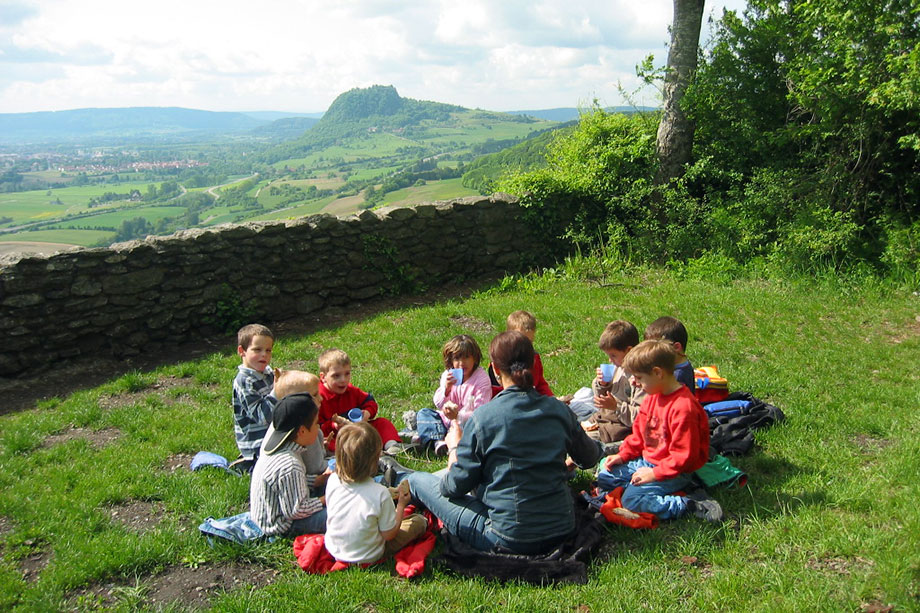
(83, 238)
(435, 190)
(40, 205)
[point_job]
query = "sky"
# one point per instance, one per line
(298, 55)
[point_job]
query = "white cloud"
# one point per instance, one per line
(278, 54)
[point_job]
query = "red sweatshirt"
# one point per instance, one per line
(341, 404)
(672, 432)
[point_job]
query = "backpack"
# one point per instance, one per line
(733, 434)
(710, 387)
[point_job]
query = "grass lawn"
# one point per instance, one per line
(828, 522)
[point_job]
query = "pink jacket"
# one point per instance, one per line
(469, 395)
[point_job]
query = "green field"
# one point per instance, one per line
(114, 219)
(83, 238)
(434, 190)
(38, 205)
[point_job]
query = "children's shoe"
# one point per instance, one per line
(242, 465)
(707, 509)
(409, 418)
(440, 449)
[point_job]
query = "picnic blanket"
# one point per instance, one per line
(313, 557)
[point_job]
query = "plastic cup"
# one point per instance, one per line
(607, 370)
(355, 415)
(458, 375)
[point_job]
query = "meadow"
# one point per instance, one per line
(828, 520)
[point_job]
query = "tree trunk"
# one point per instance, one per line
(675, 132)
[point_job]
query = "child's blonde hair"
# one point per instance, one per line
(461, 346)
(333, 357)
(357, 449)
(522, 321)
(289, 382)
(648, 354)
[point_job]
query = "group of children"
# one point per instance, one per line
(287, 422)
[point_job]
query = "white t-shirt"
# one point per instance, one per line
(355, 515)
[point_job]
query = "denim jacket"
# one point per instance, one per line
(513, 453)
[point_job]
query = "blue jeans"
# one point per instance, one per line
(466, 517)
(429, 426)
(654, 497)
(314, 524)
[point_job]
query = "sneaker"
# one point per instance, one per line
(242, 465)
(392, 470)
(440, 449)
(409, 419)
(707, 509)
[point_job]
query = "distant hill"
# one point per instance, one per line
(360, 113)
(120, 124)
(570, 113)
(275, 115)
(287, 128)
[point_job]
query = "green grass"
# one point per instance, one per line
(433, 190)
(828, 522)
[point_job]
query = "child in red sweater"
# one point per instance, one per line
(340, 397)
(526, 324)
(669, 441)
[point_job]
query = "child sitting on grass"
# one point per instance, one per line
(279, 493)
(673, 331)
(340, 397)
(363, 526)
(526, 324)
(289, 382)
(252, 392)
(617, 401)
(669, 441)
(455, 400)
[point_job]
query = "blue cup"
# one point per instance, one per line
(607, 370)
(458, 375)
(355, 415)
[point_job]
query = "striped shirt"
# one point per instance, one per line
(252, 408)
(280, 490)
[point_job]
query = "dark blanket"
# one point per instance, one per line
(735, 435)
(565, 564)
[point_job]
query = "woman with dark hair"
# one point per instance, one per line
(512, 455)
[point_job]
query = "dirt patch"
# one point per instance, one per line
(190, 588)
(839, 565)
(96, 438)
(33, 564)
(6, 526)
(473, 324)
(160, 387)
(870, 444)
(177, 461)
(138, 515)
(910, 329)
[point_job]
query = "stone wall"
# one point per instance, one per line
(121, 300)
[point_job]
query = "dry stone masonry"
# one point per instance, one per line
(119, 300)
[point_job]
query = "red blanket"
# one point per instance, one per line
(623, 516)
(312, 556)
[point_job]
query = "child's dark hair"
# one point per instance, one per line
(651, 353)
(460, 346)
(512, 354)
(357, 449)
(668, 328)
(249, 332)
(619, 335)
